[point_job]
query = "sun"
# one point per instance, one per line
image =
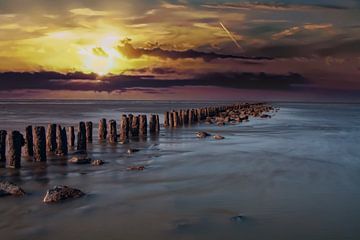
(101, 58)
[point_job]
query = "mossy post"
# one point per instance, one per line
(71, 141)
(51, 138)
(29, 142)
(81, 137)
(39, 144)
(61, 140)
(143, 125)
(102, 129)
(124, 128)
(112, 131)
(89, 132)
(15, 141)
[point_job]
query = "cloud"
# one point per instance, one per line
(130, 51)
(98, 51)
(294, 30)
(90, 82)
(273, 6)
(88, 12)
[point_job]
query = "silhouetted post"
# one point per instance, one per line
(186, 116)
(113, 131)
(157, 123)
(51, 138)
(102, 129)
(175, 119)
(29, 144)
(191, 117)
(15, 141)
(152, 124)
(71, 136)
(61, 139)
(81, 137)
(89, 132)
(124, 128)
(171, 119)
(166, 119)
(39, 144)
(3, 134)
(135, 124)
(143, 125)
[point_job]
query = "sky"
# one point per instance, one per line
(185, 49)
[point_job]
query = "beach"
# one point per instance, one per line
(293, 176)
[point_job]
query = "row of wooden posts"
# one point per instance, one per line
(39, 143)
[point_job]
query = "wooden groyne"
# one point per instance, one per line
(39, 143)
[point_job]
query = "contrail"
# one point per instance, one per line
(230, 35)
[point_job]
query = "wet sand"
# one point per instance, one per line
(294, 176)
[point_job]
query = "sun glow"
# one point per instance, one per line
(102, 58)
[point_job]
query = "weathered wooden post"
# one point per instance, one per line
(102, 129)
(166, 119)
(81, 137)
(15, 141)
(71, 136)
(89, 132)
(29, 144)
(157, 124)
(3, 134)
(143, 125)
(113, 131)
(39, 144)
(180, 115)
(130, 119)
(51, 138)
(152, 124)
(186, 116)
(171, 119)
(61, 139)
(191, 117)
(175, 119)
(135, 124)
(124, 128)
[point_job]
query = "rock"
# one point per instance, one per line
(238, 218)
(97, 162)
(132, 150)
(80, 160)
(60, 193)
(136, 168)
(265, 116)
(218, 137)
(8, 188)
(202, 134)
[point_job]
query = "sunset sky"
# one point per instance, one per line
(186, 49)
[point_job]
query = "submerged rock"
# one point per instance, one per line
(80, 160)
(61, 193)
(132, 150)
(8, 188)
(97, 162)
(202, 134)
(218, 137)
(136, 168)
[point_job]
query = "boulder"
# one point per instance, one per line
(80, 160)
(218, 137)
(8, 188)
(202, 134)
(97, 162)
(61, 193)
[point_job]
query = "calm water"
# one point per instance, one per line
(295, 176)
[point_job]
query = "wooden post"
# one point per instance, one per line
(113, 131)
(61, 139)
(89, 132)
(102, 129)
(15, 141)
(166, 119)
(51, 138)
(71, 140)
(143, 125)
(39, 144)
(191, 117)
(81, 137)
(135, 124)
(186, 116)
(157, 124)
(124, 128)
(175, 119)
(29, 144)
(3, 134)
(152, 125)
(171, 119)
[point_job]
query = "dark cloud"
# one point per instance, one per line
(130, 51)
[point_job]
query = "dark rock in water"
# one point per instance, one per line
(136, 168)
(202, 134)
(97, 162)
(218, 137)
(238, 218)
(80, 160)
(60, 193)
(9, 188)
(265, 116)
(132, 150)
